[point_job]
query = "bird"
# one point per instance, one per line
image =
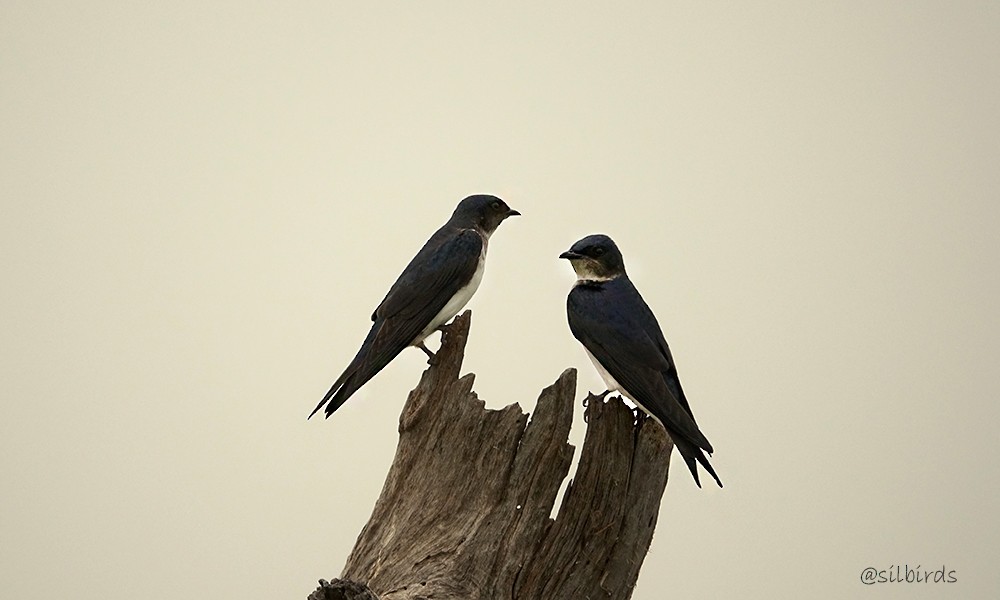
(621, 336)
(434, 286)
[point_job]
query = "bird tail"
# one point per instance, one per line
(692, 456)
(335, 396)
(368, 361)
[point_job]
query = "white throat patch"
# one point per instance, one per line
(585, 272)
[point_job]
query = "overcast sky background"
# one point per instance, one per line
(203, 202)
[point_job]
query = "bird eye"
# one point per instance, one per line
(495, 205)
(598, 251)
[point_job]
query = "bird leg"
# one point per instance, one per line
(431, 357)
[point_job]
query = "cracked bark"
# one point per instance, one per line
(464, 512)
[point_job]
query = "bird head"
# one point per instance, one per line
(483, 211)
(595, 257)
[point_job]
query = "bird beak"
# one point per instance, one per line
(513, 213)
(570, 255)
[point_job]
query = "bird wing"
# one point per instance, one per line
(422, 290)
(442, 267)
(670, 377)
(611, 322)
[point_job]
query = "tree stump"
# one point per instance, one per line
(465, 509)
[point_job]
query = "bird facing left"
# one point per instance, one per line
(437, 283)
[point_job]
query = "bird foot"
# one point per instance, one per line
(586, 401)
(600, 396)
(431, 357)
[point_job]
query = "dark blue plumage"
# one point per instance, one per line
(433, 287)
(620, 333)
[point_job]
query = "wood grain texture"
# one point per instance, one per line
(465, 509)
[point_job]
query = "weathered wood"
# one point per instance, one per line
(339, 589)
(464, 512)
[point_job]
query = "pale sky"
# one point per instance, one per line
(203, 202)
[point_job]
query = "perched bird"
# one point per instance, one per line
(437, 283)
(621, 336)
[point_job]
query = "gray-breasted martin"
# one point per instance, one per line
(437, 283)
(623, 339)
